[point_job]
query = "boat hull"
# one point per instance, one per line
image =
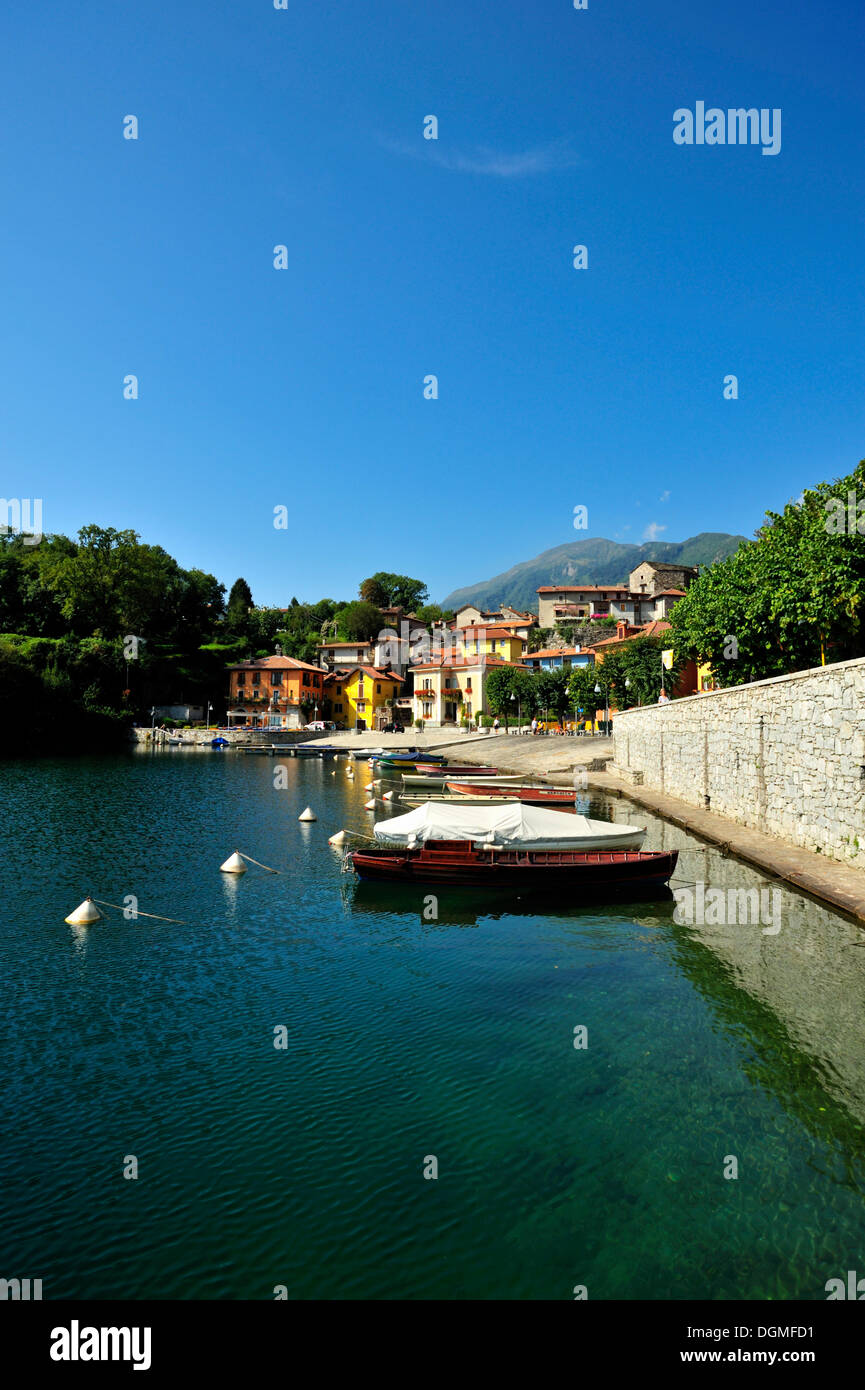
(443, 775)
(465, 864)
(535, 795)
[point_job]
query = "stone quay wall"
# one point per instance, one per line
(786, 756)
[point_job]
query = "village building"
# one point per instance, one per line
(650, 594)
(653, 577)
(445, 690)
(497, 640)
(275, 692)
(361, 697)
(520, 624)
(558, 658)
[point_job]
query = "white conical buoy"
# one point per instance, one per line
(349, 772)
(233, 865)
(87, 912)
(377, 782)
(388, 796)
(308, 814)
(369, 806)
(338, 838)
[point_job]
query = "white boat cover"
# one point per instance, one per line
(513, 824)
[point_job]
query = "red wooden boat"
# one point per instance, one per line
(544, 796)
(468, 864)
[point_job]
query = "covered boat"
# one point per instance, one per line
(508, 825)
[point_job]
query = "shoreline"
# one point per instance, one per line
(548, 758)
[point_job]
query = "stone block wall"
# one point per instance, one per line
(786, 756)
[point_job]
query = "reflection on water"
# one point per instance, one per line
(405, 1036)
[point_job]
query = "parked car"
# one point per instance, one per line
(392, 729)
(320, 726)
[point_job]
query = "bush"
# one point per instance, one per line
(485, 722)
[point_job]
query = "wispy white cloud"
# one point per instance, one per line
(653, 531)
(479, 159)
(664, 495)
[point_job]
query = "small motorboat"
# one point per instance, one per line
(219, 743)
(413, 759)
(470, 864)
(361, 754)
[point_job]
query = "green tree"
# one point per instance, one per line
(373, 591)
(239, 605)
(639, 662)
(359, 622)
(511, 691)
(787, 599)
(400, 591)
(581, 685)
(554, 692)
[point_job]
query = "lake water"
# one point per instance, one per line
(406, 1038)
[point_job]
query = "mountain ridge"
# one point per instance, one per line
(588, 561)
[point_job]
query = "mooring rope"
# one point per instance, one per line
(250, 860)
(138, 913)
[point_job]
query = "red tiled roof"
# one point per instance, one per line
(653, 629)
(669, 593)
(376, 675)
(274, 663)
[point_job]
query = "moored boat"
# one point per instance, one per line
(455, 770)
(506, 825)
(417, 797)
(469, 864)
(400, 759)
(443, 775)
(541, 796)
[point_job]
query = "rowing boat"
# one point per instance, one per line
(541, 796)
(474, 865)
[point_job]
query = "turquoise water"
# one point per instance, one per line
(304, 1167)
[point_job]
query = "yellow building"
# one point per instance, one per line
(490, 641)
(357, 699)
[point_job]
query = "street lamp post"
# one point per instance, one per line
(152, 725)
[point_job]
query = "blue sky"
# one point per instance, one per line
(304, 387)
